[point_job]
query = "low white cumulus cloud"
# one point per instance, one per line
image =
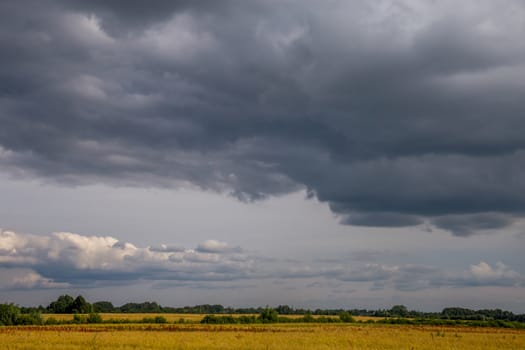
(412, 277)
(32, 280)
(65, 257)
(499, 273)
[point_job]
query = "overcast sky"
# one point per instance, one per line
(310, 153)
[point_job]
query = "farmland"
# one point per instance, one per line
(174, 317)
(268, 336)
(134, 317)
(26, 328)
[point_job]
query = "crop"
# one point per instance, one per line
(264, 336)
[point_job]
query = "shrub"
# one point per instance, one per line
(269, 315)
(51, 321)
(156, 319)
(160, 319)
(77, 319)
(29, 319)
(94, 318)
(8, 314)
(346, 317)
(247, 319)
(308, 317)
(209, 319)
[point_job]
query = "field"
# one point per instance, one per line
(280, 336)
(172, 318)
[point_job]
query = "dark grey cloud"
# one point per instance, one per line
(131, 15)
(465, 225)
(394, 115)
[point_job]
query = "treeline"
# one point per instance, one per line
(269, 315)
(67, 304)
(449, 313)
(450, 322)
(11, 315)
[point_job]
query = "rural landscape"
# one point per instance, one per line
(262, 174)
(74, 323)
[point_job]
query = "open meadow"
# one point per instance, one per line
(269, 336)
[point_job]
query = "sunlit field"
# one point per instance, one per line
(181, 318)
(283, 336)
(171, 318)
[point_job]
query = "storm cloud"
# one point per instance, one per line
(395, 113)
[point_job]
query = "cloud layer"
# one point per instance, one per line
(69, 258)
(64, 259)
(395, 113)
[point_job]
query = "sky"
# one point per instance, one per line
(319, 154)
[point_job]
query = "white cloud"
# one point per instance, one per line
(74, 258)
(213, 246)
(32, 280)
(485, 272)
(409, 277)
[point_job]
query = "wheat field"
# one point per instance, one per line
(174, 317)
(285, 336)
(171, 318)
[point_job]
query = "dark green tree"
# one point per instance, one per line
(148, 306)
(80, 305)
(284, 310)
(62, 305)
(103, 306)
(399, 311)
(9, 314)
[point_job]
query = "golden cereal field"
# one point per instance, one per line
(171, 318)
(285, 336)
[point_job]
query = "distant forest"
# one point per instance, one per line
(68, 304)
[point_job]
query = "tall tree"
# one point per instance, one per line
(62, 305)
(80, 305)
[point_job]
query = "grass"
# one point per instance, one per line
(282, 336)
